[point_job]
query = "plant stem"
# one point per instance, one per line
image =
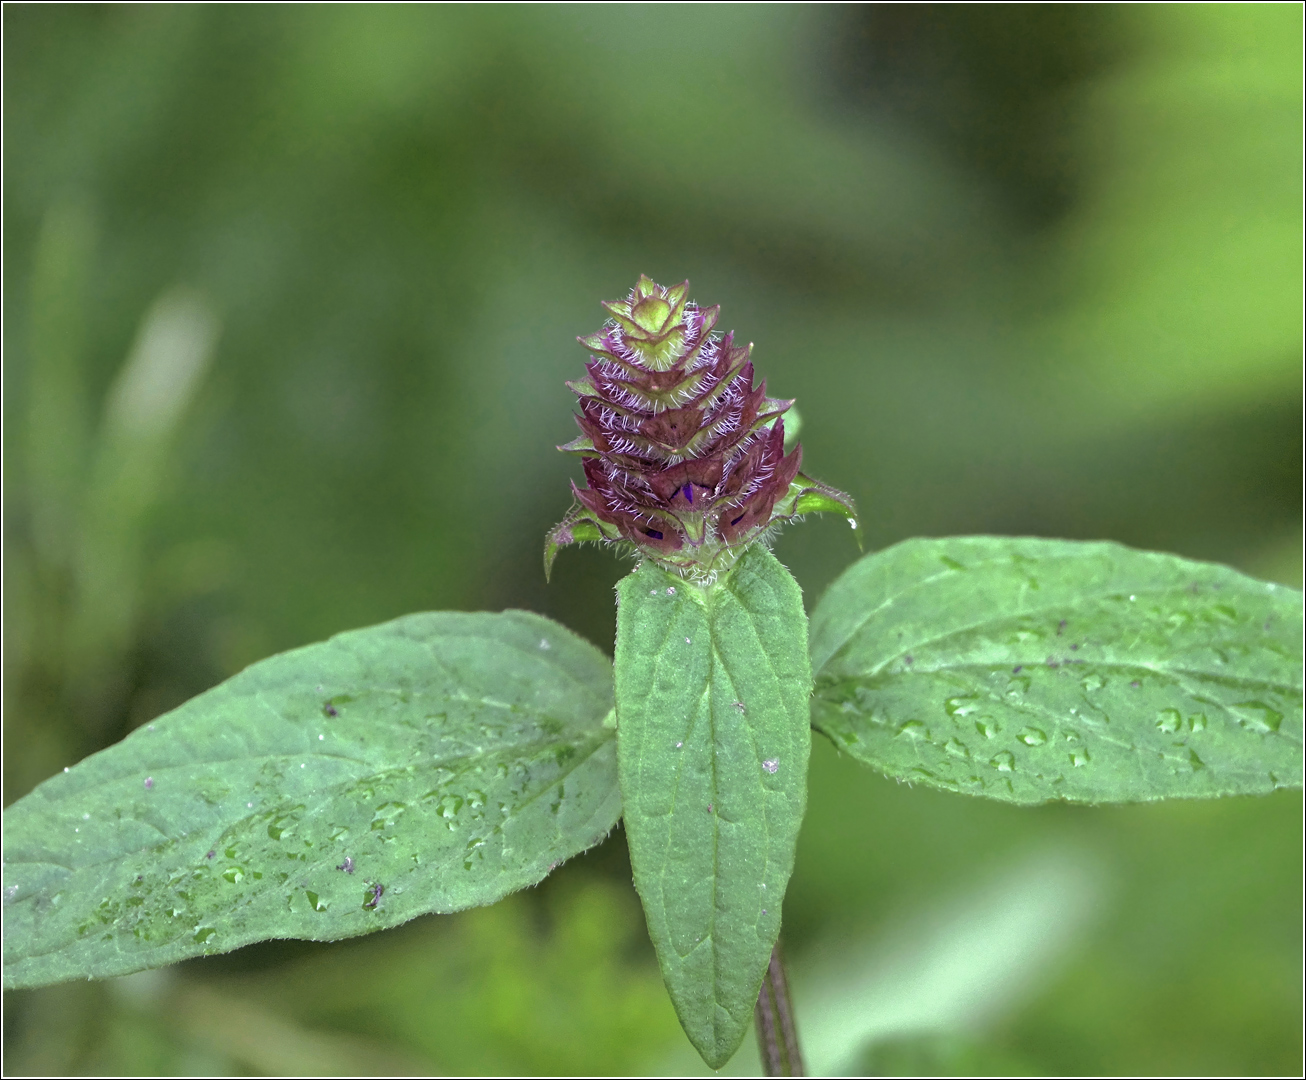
(777, 1039)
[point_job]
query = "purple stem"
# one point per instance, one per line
(777, 1038)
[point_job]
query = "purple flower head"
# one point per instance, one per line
(684, 457)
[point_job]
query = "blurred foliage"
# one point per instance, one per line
(1028, 270)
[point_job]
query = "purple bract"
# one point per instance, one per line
(684, 457)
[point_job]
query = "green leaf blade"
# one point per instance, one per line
(713, 743)
(1029, 670)
(447, 758)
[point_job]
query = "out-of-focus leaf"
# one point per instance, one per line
(1029, 670)
(432, 763)
(933, 1054)
(145, 406)
(1186, 259)
(56, 394)
(713, 742)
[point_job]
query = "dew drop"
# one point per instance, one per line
(1004, 762)
(1257, 716)
(544, 644)
(1017, 685)
(956, 748)
(66, 769)
(317, 903)
(771, 765)
(86, 817)
(1092, 681)
(1079, 758)
(1197, 722)
(1169, 721)
(1033, 736)
(1196, 762)
(960, 706)
(320, 738)
(234, 874)
(688, 642)
(203, 933)
(914, 729)
(988, 728)
(679, 745)
(450, 805)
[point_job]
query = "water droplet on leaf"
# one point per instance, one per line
(1257, 716)
(1169, 721)
(956, 748)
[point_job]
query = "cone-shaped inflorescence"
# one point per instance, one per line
(684, 456)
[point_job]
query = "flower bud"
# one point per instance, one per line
(684, 457)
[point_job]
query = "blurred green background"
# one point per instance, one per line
(290, 294)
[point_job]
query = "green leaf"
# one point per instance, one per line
(1028, 670)
(432, 763)
(579, 526)
(712, 742)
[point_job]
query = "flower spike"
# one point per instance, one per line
(684, 457)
